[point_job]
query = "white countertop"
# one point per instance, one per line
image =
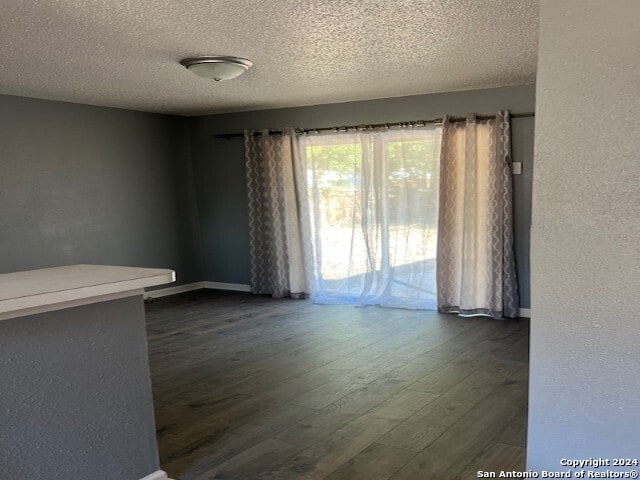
(37, 291)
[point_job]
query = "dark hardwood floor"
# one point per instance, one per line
(249, 387)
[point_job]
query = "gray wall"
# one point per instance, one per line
(83, 184)
(585, 338)
(76, 397)
(219, 164)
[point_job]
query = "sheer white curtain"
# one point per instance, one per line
(476, 266)
(357, 218)
(373, 208)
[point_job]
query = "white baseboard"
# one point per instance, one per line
(159, 475)
(236, 287)
(525, 312)
(163, 292)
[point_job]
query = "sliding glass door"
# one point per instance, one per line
(373, 205)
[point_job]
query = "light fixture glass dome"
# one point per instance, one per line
(217, 68)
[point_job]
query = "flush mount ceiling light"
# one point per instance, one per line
(217, 68)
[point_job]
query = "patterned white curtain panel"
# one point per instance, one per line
(476, 272)
(278, 223)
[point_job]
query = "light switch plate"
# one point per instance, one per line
(516, 168)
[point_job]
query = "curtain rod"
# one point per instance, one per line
(343, 129)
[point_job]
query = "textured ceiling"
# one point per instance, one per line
(126, 53)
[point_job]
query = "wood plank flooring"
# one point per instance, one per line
(248, 387)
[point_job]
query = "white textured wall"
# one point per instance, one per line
(585, 344)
